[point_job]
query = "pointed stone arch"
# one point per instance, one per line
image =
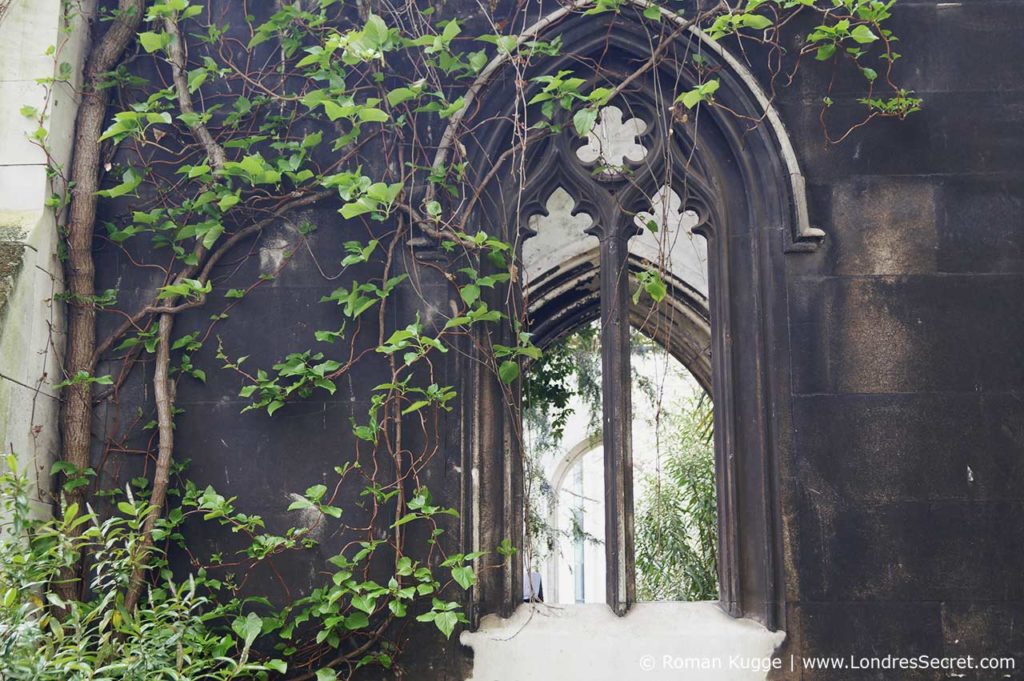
(743, 185)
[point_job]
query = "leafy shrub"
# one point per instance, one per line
(195, 626)
(178, 631)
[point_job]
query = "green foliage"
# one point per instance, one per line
(900, 106)
(676, 516)
(562, 91)
(129, 183)
(82, 378)
(74, 477)
(250, 140)
(179, 631)
(297, 377)
(134, 123)
(676, 521)
(705, 92)
(569, 367)
(651, 283)
(193, 626)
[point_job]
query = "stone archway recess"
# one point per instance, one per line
(746, 188)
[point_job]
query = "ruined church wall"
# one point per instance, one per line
(902, 480)
(905, 478)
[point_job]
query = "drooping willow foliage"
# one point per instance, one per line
(676, 517)
(200, 135)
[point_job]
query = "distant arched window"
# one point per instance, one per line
(725, 186)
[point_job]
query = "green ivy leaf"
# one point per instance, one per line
(248, 629)
(825, 52)
(863, 35)
(415, 406)
(690, 99)
(464, 576)
(376, 31)
(656, 289)
(372, 115)
(196, 78)
(477, 60)
(299, 505)
(757, 22)
(508, 371)
(228, 201)
(357, 620)
(470, 293)
(130, 181)
(357, 208)
(152, 42)
(401, 94)
(702, 93)
(583, 120)
(445, 622)
(364, 603)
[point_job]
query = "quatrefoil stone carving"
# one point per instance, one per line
(613, 141)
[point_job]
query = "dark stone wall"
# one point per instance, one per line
(903, 484)
(905, 480)
(262, 461)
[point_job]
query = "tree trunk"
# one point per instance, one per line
(80, 272)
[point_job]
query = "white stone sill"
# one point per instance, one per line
(653, 642)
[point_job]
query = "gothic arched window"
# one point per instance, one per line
(581, 210)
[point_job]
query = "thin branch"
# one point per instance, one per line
(179, 66)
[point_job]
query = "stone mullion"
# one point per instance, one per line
(617, 420)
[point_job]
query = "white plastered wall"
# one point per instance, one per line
(31, 322)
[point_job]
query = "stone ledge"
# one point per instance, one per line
(653, 642)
